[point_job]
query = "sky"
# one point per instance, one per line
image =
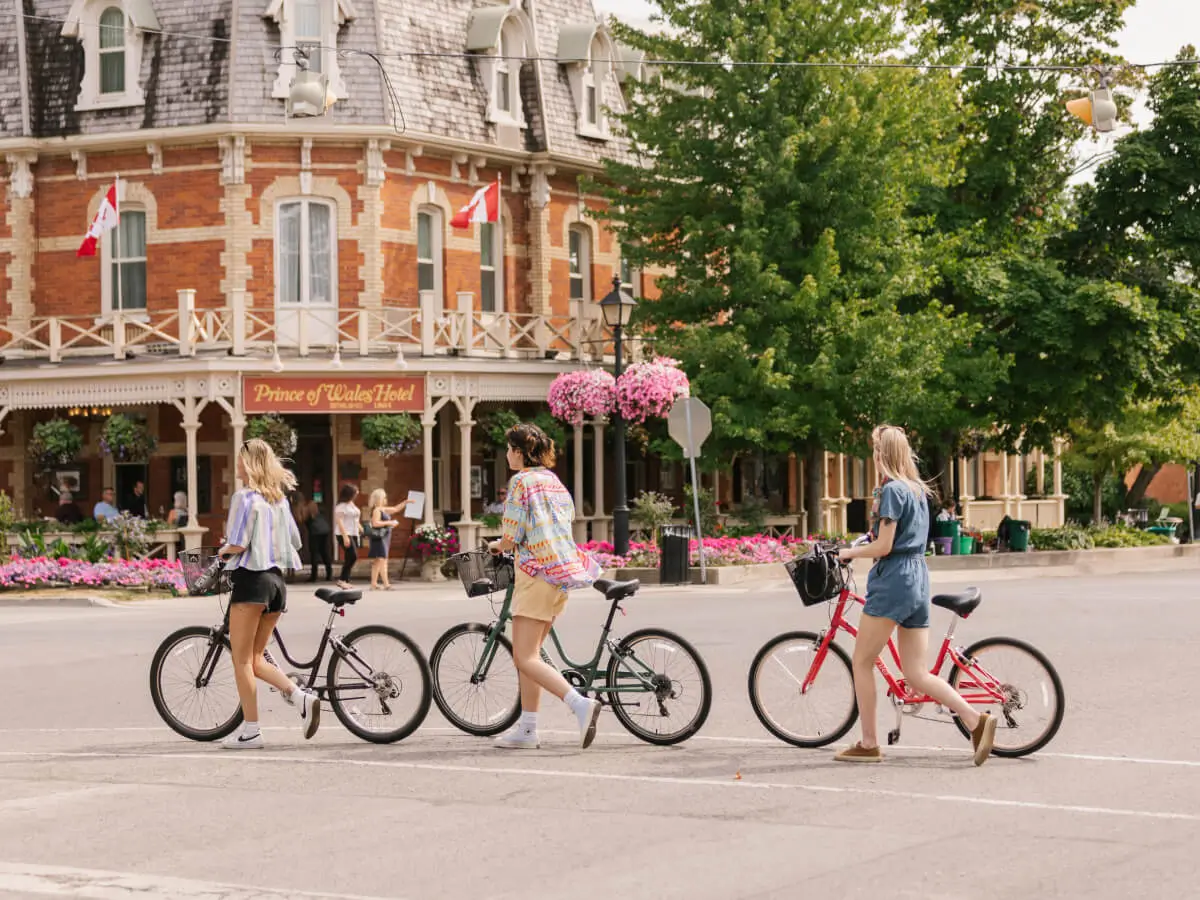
(1154, 31)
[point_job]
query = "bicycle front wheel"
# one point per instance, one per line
(481, 700)
(672, 691)
(1033, 703)
(192, 684)
(379, 686)
(804, 718)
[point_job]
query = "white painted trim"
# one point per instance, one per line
(332, 205)
(83, 24)
(22, 66)
(438, 233)
(334, 14)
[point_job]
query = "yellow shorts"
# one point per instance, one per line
(537, 599)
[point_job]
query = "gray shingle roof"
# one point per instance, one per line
(186, 72)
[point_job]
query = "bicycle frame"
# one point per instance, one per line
(587, 672)
(982, 689)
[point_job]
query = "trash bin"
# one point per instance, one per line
(964, 545)
(945, 528)
(674, 561)
(1018, 535)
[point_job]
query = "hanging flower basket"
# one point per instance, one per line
(54, 443)
(575, 396)
(127, 439)
(278, 434)
(390, 435)
(649, 390)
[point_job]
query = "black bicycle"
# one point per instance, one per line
(377, 680)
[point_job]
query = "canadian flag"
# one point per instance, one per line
(484, 207)
(106, 220)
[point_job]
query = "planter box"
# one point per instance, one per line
(162, 543)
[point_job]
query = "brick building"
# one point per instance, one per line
(262, 257)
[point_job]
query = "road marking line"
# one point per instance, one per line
(709, 738)
(65, 881)
(217, 756)
(38, 802)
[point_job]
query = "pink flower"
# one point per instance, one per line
(575, 396)
(649, 390)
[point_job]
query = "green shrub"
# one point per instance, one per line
(1124, 536)
(753, 513)
(391, 434)
(1069, 537)
(491, 520)
(650, 511)
(709, 515)
(1077, 485)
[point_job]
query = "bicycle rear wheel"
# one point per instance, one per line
(192, 684)
(811, 718)
(1033, 705)
(482, 705)
(682, 692)
(379, 688)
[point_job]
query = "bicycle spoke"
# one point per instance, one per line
(812, 717)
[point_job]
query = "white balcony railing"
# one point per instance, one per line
(243, 328)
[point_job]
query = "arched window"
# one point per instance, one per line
(429, 251)
(112, 51)
(579, 252)
(592, 82)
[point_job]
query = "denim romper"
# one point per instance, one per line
(898, 584)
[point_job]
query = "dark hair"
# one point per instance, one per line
(347, 493)
(535, 447)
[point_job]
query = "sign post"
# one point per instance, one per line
(690, 424)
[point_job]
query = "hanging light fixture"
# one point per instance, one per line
(1098, 109)
(276, 362)
(401, 362)
(309, 94)
(337, 356)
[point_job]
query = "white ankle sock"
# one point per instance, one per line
(528, 721)
(249, 729)
(575, 701)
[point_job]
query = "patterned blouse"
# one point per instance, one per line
(538, 516)
(267, 531)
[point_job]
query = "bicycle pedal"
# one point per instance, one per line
(894, 736)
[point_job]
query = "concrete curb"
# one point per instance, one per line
(51, 600)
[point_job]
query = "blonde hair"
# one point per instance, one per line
(895, 459)
(377, 499)
(265, 474)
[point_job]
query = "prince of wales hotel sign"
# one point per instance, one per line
(333, 395)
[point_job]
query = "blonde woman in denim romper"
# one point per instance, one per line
(898, 599)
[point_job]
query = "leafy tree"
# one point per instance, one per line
(777, 202)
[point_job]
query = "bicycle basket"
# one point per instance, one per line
(482, 572)
(816, 577)
(203, 573)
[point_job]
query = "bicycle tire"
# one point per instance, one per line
(622, 712)
(338, 704)
(173, 721)
(769, 721)
(444, 705)
(1059, 696)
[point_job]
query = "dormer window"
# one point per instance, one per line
(311, 26)
(501, 35)
(587, 52)
(113, 36)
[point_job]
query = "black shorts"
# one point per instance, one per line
(267, 589)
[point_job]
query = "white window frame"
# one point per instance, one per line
(584, 275)
(83, 24)
(108, 260)
(497, 267)
(503, 38)
(592, 120)
(631, 279)
(437, 255)
(335, 14)
(304, 300)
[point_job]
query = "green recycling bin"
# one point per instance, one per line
(964, 545)
(946, 528)
(1018, 535)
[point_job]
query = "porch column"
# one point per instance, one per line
(964, 495)
(580, 520)
(428, 421)
(1059, 497)
(238, 421)
(1005, 492)
(1019, 487)
(826, 500)
(193, 533)
(599, 522)
(844, 498)
(468, 528)
(1041, 473)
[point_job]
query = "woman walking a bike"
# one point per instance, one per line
(898, 599)
(538, 515)
(261, 543)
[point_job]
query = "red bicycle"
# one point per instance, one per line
(802, 686)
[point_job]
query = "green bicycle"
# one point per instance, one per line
(655, 681)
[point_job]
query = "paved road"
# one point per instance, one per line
(99, 800)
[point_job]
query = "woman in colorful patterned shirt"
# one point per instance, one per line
(261, 543)
(538, 516)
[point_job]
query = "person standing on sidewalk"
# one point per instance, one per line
(537, 525)
(898, 599)
(379, 543)
(347, 526)
(317, 526)
(261, 543)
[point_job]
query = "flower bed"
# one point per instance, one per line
(42, 572)
(744, 551)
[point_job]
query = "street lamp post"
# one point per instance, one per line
(617, 308)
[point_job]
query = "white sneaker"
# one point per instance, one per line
(588, 716)
(310, 711)
(238, 741)
(518, 738)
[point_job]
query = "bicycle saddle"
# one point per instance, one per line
(334, 597)
(961, 603)
(617, 590)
